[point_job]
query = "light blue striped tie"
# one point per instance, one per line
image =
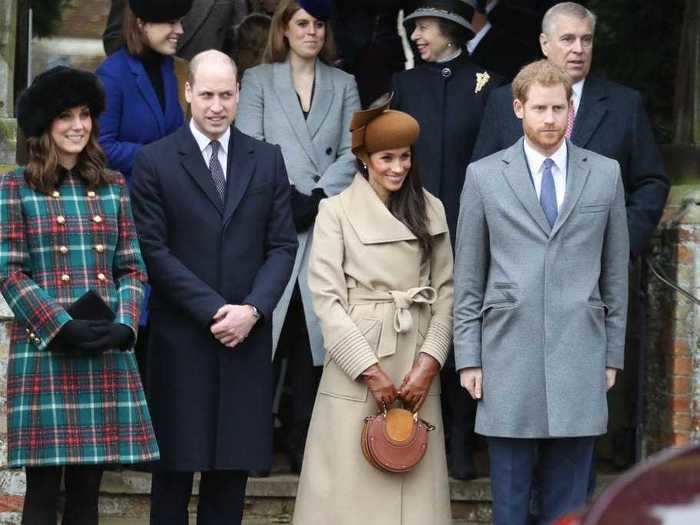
(548, 194)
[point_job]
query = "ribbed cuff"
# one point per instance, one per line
(437, 341)
(353, 354)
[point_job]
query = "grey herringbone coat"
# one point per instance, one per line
(316, 153)
(542, 310)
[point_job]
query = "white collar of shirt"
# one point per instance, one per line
(204, 144)
(576, 95)
(535, 161)
(474, 42)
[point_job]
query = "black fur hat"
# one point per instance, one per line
(160, 10)
(54, 91)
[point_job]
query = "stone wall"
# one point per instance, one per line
(673, 372)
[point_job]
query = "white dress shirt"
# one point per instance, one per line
(576, 95)
(478, 37)
(204, 144)
(535, 160)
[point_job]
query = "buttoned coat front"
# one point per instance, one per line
(316, 153)
(211, 405)
(378, 302)
(53, 248)
(542, 310)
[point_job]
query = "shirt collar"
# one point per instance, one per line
(203, 141)
(577, 90)
(535, 158)
(474, 42)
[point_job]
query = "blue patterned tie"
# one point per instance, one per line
(548, 194)
(217, 172)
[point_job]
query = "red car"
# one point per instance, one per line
(664, 490)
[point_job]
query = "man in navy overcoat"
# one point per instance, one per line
(212, 211)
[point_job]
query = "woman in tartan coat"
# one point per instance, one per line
(73, 391)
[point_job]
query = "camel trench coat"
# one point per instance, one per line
(377, 302)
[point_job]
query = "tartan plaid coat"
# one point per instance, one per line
(53, 248)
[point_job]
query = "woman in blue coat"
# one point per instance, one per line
(140, 82)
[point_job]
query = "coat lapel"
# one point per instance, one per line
(577, 172)
(284, 88)
(373, 222)
(517, 176)
(147, 92)
(193, 162)
(241, 166)
(323, 98)
(593, 107)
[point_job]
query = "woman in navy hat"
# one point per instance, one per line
(74, 398)
(142, 95)
(299, 101)
(446, 93)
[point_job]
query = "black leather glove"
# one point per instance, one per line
(76, 333)
(305, 208)
(118, 337)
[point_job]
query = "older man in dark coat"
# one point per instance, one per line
(608, 118)
(212, 210)
(205, 26)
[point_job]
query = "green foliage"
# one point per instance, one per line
(637, 44)
(47, 16)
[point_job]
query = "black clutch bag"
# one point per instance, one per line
(91, 307)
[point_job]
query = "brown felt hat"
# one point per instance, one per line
(380, 128)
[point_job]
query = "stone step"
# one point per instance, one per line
(124, 499)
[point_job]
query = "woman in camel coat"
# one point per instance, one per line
(381, 278)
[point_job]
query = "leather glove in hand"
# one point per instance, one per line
(118, 337)
(381, 386)
(305, 208)
(415, 386)
(76, 333)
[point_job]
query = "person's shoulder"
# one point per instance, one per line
(337, 74)
(113, 62)
(13, 178)
(261, 149)
(164, 147)
(600, 165)
(259, 71)
(612, 89)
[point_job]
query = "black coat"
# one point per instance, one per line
(442, 97)
(212, 406)
(611, 120)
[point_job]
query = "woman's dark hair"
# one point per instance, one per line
(252, 38)
(43, 170)
(409, 205)
(455, 33)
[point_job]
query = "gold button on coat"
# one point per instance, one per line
(63, 249)
(99, 248)
(55, 195)
(91, 194)
(101, 276)
(97, 219)
(60, 219)
(65, 277)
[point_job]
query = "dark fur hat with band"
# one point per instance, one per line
(54, 91)
(157, 11)
(320, 9)
(457, 11)
(380, 128)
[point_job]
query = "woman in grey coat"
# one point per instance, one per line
(304, 105)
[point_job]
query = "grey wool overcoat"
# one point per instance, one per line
(542, 310)
(378, 302)
(316, 153)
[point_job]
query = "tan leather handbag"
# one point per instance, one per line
(395, 440)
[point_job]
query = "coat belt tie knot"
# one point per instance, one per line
(403, 320)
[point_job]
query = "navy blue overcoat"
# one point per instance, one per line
(212, 406)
